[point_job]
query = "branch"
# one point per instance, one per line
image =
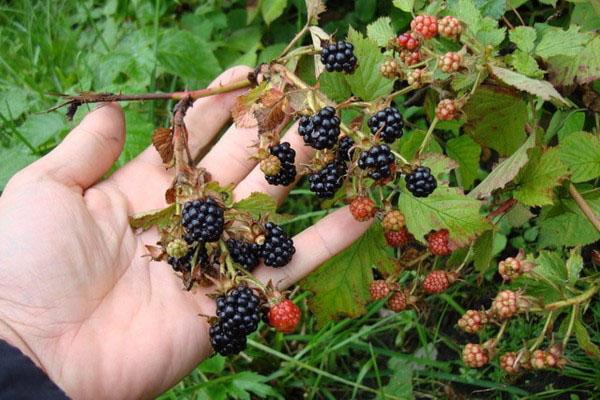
(584, 206)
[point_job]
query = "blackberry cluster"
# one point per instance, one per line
(345, 150)
(339, 57)
(287, 171)
(184, 264)
(244, 253)
(203, 220)
(328, 180)
(388, 123)
(320, 130)
(278, 248)
(420, 182)
(378, 160)
(239, 312)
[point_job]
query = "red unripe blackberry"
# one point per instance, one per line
(339, 57)
(473, 321)
(379, 289)
(475, 355)
(320, 130)
(438, 243)
(451, 62)
(449, 27)
(328, 180)
(420, 182)
(345, 149)
(397, 301)
(278, 249)
(408, 41)
(362, 208)
(203, 219)
(437, 281)
(284, 316)
(287, 170)
(446, 110)
(225, 342)
(239, 310)
(426, 25)
(388, 123)
(508, 304)
(509, 363)
(410, 57)
(244, 253)
(538, 359)
(379, 161)
(510, 268)
(393, 220)
(390, 69)
(399, 238)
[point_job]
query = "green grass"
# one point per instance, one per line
(54, 47)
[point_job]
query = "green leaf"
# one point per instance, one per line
(496, 118)
(334, 85)
(366, 82)
(40, 128)
(537, 181)
(574, 265)
(518, 216)
(580, 151)
(257, 204)
(446, 208)
(341, 285)
(551, 266)
(409, 144)
(466, 11)
(483, 251)
(184, 54)
(584, 340)
(524, 37)
(272, 9)
(212, 365)
(147, 219)
(543, 89)
(582, 68)
(438, 163)
(491, 8)
(13, 159)
(489, 33)
(13, 103)
(404, 5)
(464, 150)
(526, 64)
(381, 31)
(557, 42)
(400, 383)
(505, 172)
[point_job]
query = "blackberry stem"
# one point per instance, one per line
(428, 135)
(574, 313)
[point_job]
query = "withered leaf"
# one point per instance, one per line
(157, 253)
(147, 219)
(162, 139)
(245, 105)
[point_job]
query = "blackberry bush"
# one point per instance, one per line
(287, 170)
(420, 182)
(203, 219)
(339, 57)
(239, 311)
(378, 161)
(278, 249)
(244, 253)
(388, 123)
(321, 130)
(328, 180)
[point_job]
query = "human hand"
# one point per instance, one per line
(77, 294)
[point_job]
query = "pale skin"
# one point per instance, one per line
(77, 294)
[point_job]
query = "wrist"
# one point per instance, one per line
(13, 338)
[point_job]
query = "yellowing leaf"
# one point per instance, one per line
(540, 88)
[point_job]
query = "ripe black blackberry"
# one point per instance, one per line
(239, 310)
(183, 264)
(378, 160)
(278, 248)
(224, 342)
(388, 123)
(287, 172)
(345, 150)
(328, 180)
(244, 253)
(203, 220)
(320, 130)
(339, 57)
(420, 182)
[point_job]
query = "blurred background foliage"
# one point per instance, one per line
(62, 46)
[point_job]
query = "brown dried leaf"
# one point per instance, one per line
(162, 139)
(297, 100)
(315, 8)
(157, 253)
(246, 104)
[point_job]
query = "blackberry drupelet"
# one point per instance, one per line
(420, 182)
(345, 150)
(388, 123)
(225, 342)
(339, 57)
(320, 130)
(203, 220)
(239, 310)
(328, 180)
(287, 172)
(378, 160)
(244, 253)
(278, 248)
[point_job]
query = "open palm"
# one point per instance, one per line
(77, 293)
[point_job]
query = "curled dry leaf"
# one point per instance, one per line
(162, 139)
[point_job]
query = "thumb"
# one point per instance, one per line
(89, 150)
